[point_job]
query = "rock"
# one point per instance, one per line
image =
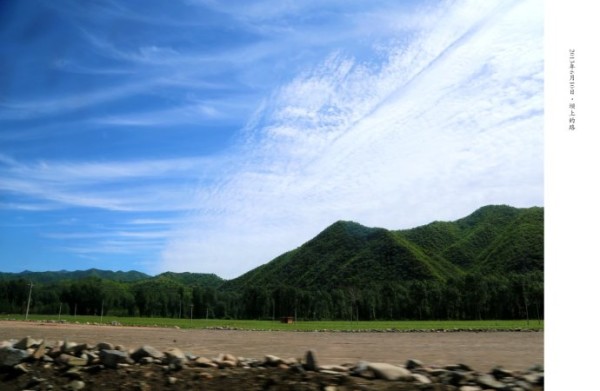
(272, 360)
(40, 351)
(25, 343)
(330, 388)
(11, 356)
(421, 379)
(55, 351)
(171, 380)
(537, 368)
(205, 376)
(73, 374)
(146, 360)
(76, 385)
(20, 368)
(175, 357)
(488, 381)
(6, 344)
(524, 385)
(455, 378)
(469, 388)
(35, 381)
(110, 358)
(311, 361)
(501, 373)
(121, 348)
(227, 364)
(105, 346)
(334, 368)
(68, 347)
(147, 351)
(205, 362)
(71, 361)
(536, 378)
(389, 372)
(79, 348)
(413, 364)
(290, 361)
(458, 367)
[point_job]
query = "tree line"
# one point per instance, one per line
(469, 296)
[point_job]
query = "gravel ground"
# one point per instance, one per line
(481, 351)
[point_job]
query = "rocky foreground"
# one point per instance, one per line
(31, 364)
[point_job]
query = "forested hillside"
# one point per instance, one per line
(488, 265)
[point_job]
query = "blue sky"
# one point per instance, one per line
(212, 136)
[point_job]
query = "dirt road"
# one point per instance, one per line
(481, 351)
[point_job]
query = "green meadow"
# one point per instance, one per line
(270, 325)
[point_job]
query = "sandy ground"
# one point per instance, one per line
(481, 351)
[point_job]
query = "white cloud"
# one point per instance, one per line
(451, 121)
(145, 185)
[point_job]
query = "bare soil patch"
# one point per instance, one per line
(481, 351)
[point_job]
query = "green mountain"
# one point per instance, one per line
(199, 279)
(493, 239)
(488, 265)
(63, 275)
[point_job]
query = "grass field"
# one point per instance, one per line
(298, 326)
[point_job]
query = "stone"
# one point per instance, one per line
(205, 362)
(105, 346)
(455, 378)
(146, 360)
(311, 363)
(40, 351)
(54, 351)
(74, 374)
(76, 385)
(205, 376)
(171, 380)
(290, 361)
(227, 364)
(20, 368)
(147, 351)
(524, 385)
(110, 358)
(11, 356)
(71, 361)
(330, 388)
(79, 348)
(501, 373)
(68, 347)
(272, 360)
(25, 343)
(175, 357)
(230, 357)
(389, 372)
(469, 388)
(421, 379)
(488, 381)
(413, 364)
(143, 386)
(334, 368)
(536, 378)
(6, 344)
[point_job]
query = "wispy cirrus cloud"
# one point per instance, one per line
(447, 122)
(150, 185)
(391, 114)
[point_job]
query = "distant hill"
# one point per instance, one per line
(200, 279)
(487, 265)
(63, 275)
(493, 239)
